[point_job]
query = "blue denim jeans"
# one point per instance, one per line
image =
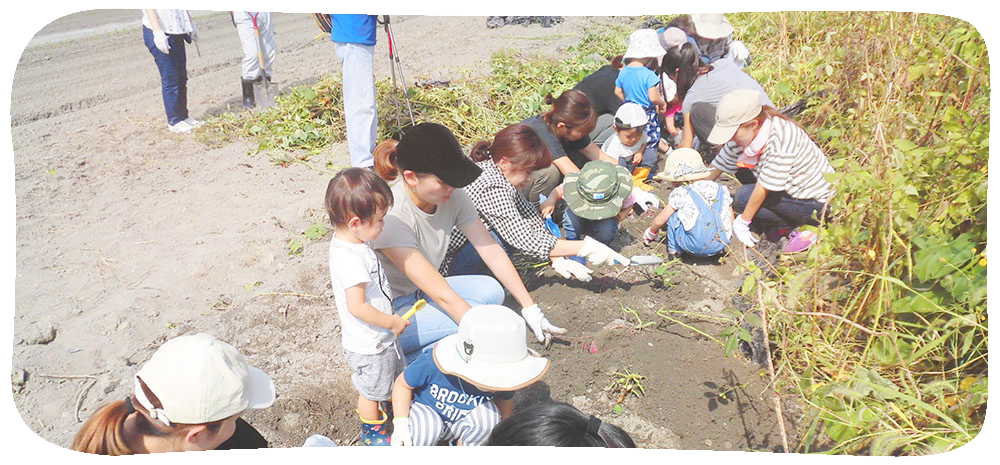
(173, 74)
(432, 323)
(779, 208)
(575, 228)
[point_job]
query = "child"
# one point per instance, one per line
(598, 197)
(628, 143)
(790, 188)
(638, 83)
(699, 214)
(669, 38)
(465, 386)
(357, 201)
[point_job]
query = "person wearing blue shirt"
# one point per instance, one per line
(353, 38)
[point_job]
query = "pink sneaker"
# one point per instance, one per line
(799, 241)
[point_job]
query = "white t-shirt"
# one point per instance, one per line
(171, 21)
(350, 265)
(410, 227)
(616, 149)
(687, 210)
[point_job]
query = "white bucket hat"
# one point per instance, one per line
(711, 25)
(200, 379)
(644, 43)
(684, 164)
(734, 109)
(490, 351)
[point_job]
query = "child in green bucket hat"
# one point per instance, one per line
(597, 198)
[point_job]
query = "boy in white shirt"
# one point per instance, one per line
(357, 201)
(629, 143)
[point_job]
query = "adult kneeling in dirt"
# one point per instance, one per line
(429, 203)
(506, 166)
(564, 130)
(188, 396)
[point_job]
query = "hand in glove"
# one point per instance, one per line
(568, 268)
(741, 229)
(648, 237)
(401, 432)
(160, 40)
(539, 325)
(599, 254)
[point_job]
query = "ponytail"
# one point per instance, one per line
(617, 62)
(103, 432)
(572, 108)
(480, 152)
(386, 164)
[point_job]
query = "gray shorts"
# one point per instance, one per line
(373, 375)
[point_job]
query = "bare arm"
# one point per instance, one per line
(357, 306)
(402, 397)
(565, 165)
(154, 20)
(416, 267)
(661, 218)
(687, 140)
(619, 93)
(756, 200)
(497, 261)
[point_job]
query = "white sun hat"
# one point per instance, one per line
(489, 351)
(684, 164)
(199, 379)
(711, 25)
(644, 43)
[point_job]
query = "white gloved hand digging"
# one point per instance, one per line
(570, 269)
(539, 325)
(741, 229)
(401, 432)
(599, 254)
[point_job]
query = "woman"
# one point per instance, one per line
(506, 166)
(188, 396)
(555, 424)
(564, 130)
(600, 89)
(701, 83)
(164, 32)
(428, 203)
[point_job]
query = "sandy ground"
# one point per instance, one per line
(128, 235)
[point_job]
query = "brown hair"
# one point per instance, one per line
(572, 108)
(386, 165)
(356, 192)
(104, 432)
(617, 62)
(683, 65)
(518, 144)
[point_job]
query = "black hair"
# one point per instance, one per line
(557, 424)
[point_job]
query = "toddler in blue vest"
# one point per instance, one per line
(698, 217)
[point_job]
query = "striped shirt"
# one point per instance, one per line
(506, 212)
(790, 162)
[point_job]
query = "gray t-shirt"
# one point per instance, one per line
(408, 226)
(723, 79)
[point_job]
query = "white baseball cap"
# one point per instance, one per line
(630, 115)
(734, 109)
(489, 351)
(644, 43)
(200, 379)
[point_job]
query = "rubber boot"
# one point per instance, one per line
(639, 175)
(248, 100)
(373, 432)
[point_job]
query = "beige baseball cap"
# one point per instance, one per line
(734, 109)
(200, 379)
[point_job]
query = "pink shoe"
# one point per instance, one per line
(799, 241)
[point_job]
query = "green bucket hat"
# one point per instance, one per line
(598, 190)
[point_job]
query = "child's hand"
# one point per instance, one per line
(637, 157)
(398, 325)
(661, 107)
(671, 128)
(548, 206)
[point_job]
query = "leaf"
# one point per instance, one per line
(743, 334)
(753, 320)
(315, 231)
(936, 261)
(618, 408)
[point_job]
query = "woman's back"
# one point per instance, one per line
(725, 77)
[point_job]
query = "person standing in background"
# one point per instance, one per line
(353, 38)
(252, 70)
(164, 33)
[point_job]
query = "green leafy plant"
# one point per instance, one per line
(624, 383)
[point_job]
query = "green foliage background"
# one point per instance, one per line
(881, 328)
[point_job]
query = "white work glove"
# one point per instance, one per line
(642, 198)
(160, 40)
(194, 32)
(539, 325)
(568, 268)
(599, 254)
(401, 432)
(741, 228)
(739, 53)
(648, 237)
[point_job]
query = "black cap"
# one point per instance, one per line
(432, 148)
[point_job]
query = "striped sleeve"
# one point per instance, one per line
(725, 161)
(793, 163)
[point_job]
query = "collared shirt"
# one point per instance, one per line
(790, 162)
(506, 212)
(171, 21)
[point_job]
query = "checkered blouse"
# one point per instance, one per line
(506, 212)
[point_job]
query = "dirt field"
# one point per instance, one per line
(128, 235)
